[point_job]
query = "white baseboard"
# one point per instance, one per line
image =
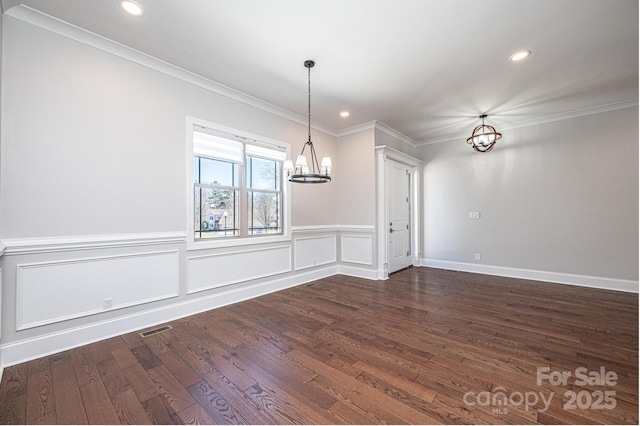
(529, 274)
(355, 271)
(26, 350)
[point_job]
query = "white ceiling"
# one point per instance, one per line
(426, 68)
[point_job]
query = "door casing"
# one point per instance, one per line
(383, 155)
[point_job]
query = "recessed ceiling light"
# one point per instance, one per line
(344, 114)
(518, 56)
(131, 7)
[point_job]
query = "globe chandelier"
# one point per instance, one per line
(484, 137)
(301, 173)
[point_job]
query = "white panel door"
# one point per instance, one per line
(399, 216)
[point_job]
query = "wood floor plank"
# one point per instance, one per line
(129, 409)
(49, 419)
(145, 357)
(141, 383)
(243, 405)
(13, 394)
(171, 388)
(40, 399)
(84, 366)
(124, 357)
(312, 403)
(38, 365)
(185, 374)
(270, 372)
(69, 405)
(415, 389)
(425, 346)
(195, 415)
(159, 343)
(160, 412)
(216, 406)
(276, 410)
(113, 377)
(14, 381)
(97, 404)
(13, 410)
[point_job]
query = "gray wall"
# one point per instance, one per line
(559, 197)
(356, 179)
(94, 144)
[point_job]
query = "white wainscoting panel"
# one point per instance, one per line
(356, 249)
(220, 269)
(314, 251)
(49, 292)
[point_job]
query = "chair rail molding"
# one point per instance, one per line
(87, 242)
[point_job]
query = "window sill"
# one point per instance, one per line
(236, 242)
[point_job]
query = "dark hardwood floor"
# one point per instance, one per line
(426, 346)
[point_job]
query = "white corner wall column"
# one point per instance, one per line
(383, 154)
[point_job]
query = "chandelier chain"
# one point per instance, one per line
(309, 99)
(303, 172)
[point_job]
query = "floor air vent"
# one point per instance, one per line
(155, 331)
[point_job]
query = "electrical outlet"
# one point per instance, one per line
(477, 256)
(107, 303)
(474, 215)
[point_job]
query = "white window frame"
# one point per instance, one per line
(202, 244)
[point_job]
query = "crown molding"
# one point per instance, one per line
(65, 29)
(394, 133)
(377, 125)
(356, 129)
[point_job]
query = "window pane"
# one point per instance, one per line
(217, 213)
(263, 174)
(216, 172)
(264, 213)
(237, 186)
